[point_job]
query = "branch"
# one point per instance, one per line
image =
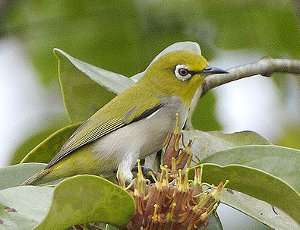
(265, 67)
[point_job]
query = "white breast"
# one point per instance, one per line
(141, 138)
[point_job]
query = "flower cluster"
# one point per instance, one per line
(173, 201)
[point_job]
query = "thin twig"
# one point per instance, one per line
(265, 67)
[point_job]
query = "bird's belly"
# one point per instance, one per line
(136, 140)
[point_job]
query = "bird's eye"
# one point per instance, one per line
(182, 73)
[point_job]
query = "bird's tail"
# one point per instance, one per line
(35, 179)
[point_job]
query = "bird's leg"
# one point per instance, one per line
(124, 174)
(151, 163)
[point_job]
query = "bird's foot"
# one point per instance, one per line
(124, 177)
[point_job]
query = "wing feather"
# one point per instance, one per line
(100, 124)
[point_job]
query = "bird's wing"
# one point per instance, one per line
(103, 123)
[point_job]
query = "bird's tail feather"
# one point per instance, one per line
(36, 177)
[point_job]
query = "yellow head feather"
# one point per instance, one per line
(163, 76)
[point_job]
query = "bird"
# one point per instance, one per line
(134, 124)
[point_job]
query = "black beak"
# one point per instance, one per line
(213, 70)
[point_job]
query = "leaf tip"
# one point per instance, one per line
(57, 52)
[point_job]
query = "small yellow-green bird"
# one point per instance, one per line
(134, 124)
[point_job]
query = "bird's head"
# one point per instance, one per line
(179, 73)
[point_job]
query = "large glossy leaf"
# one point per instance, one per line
(279, 161)
(48, 148)
(260, 210)
(76, 200)
(113, 82)
(256, 183)
(207, 143)
(14, 175)
(24, 207)
(86, 198)
(82, 96)
(214, 222)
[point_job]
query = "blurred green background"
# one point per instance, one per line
(124, 36)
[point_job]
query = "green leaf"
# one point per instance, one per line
(82, 96)
(279, 161)
(113, 82)
(14, 175)
(47, 149)
(214, 222)
(83, 199)
(76, 200)
(256, 183)
(207, 143)
(24, 207)
(259, 210)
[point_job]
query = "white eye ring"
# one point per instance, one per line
(182, 73)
